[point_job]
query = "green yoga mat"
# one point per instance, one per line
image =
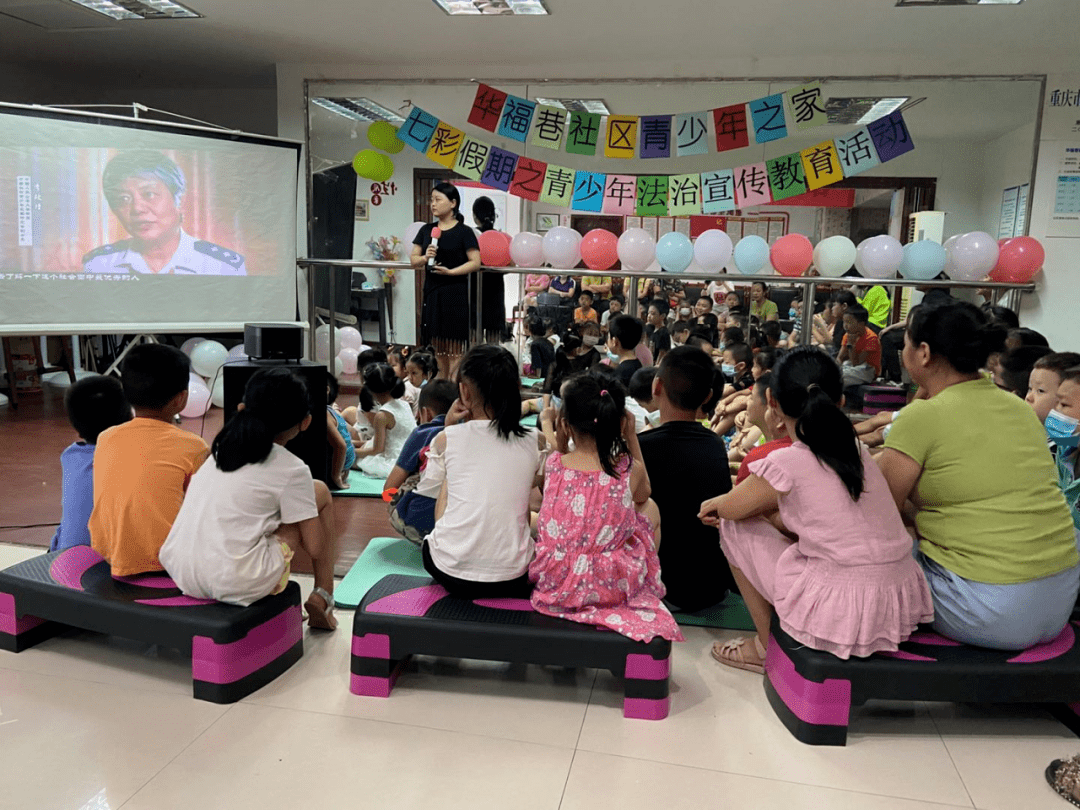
(382, 557)
(529, 382)
(530, 420)
(731, 614)
(361, 486)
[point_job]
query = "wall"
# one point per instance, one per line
(1007, 163)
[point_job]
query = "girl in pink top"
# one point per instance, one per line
(814, 532)
(535, 283)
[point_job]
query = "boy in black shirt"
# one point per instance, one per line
(659, 337)
(693, 568)
(541, 351)
(624, 334)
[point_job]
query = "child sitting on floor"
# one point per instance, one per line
(738, 366)
(391, 423)
(860, 348)
(484, 465)
(597, 529)
(815, 532)
(624, 334)
(421, 367)
(641, 402)
(397, 357)
(585, 311)
(142, 467)
(541, 350)
(93, 405)
(338, 436)
(1045, 379)
(771, 423)
(1063, 429)
(246, 513)
(412, 509)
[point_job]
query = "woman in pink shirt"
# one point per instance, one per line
(535, 283)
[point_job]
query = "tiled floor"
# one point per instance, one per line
(88, 723)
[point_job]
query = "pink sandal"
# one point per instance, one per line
(732, 654)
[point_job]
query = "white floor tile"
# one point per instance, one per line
(258, 757)
(67, 743)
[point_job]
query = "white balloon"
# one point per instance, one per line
(348, 359)
(217, 395)
(562, 247)
(879, 257)
(237, 352)
(712, 250)
(208, 357)
(350, 337)
(339, 367)
(198, 399)
(974, 256)
(322, 343)
(410, 235)
(834, 256)
(527, 249)
(189, 345)
(636, 248)
(950, 258)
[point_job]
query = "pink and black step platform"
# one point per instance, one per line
(234, 650)
(812, 692)
(408, 615)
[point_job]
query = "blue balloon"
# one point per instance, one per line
(922, 260)
(751, 254)
(674, 252)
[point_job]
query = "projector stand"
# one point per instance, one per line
(135, 341)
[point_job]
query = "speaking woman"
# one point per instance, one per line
(445, 313)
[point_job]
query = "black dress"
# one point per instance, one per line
(445, 313)
(494, 303)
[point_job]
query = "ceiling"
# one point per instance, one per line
(581, 38)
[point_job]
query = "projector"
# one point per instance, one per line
(273, 341)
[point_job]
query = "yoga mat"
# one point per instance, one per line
(731, 614)
(360, 486)
(530, 420)
(529, 382)
(382, 556)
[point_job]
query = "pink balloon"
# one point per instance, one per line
(599, 249)
(1019, 261)
(791, 255)
(348, 358)
(636, 249)
(198, 399)
(494, 249)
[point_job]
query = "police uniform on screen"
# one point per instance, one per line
(193, 257)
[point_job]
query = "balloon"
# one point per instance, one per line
(410, 234)
(367, 163)
(383, 135)
(599, 249)
(950, 256)
(339, 368)
(791, 255)
(974, 256)
(923, 260)
(494, 249)
(562, 247)
(385, 171)
(674, 251)
(636, 249)
(350, 337)
(237, 352)
(750, 254)
(712, 250)
(1020, 260)
(322, 343)
(198, 401)
(190, 344)
(217, 394)
(208, 357)
(348, 359)
(834, 256)
(527, 249)
(879, 256)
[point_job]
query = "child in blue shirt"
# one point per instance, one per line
(1063, 429)
(412, 512)
(92, 404)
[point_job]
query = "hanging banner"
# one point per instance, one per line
(692, 134)
(621, 141)
(856, 152)
(620, 194)
(445, 143)
(656, 136)
(684, 195)
(528, 179)
(768, 118)
(499, 172)
(589, 192)
(487, 108)
(729, 123)
(558, 186)
(652, 191)
(549, 127)
(822, 165)
(718, 191)
(516, 118)
(804, 104)
(752, 185)
(472, 157)
(583, 133)
(418, 129)
(787, 178)
(891, 137)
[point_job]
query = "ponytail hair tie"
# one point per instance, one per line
(603, 392)
(811, 387)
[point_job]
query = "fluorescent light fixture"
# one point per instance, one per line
(592, 105)
(359, 109)
(493, 8)
(139, 9)
(902, 3)
(861, 110)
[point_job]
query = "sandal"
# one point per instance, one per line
(321, 617)
(731, 654)
(1063, 775)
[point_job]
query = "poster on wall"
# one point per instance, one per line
(1065, 217)
(1010, 200)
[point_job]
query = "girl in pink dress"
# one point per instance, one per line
(596, 557)
(814, 531)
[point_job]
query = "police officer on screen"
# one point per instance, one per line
(144, 190)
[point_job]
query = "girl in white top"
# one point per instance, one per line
(421, 367)
(391, 424)
(244, 516)
(485, 464)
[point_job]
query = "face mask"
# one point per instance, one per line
(728, 369)
(721, 346)
(685, 313)
(792, 314)
(614, 358)
(1061, 429)
(590, 340)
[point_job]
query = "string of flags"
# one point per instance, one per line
(713, 192)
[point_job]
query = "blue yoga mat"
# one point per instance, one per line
(361, 486)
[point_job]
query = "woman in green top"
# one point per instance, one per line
(877, 305)
(996, 539)
(760, 306)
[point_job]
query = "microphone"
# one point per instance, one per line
(435, 234)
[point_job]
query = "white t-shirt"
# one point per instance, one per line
(717, 292)
(483, 534)
(222, 544)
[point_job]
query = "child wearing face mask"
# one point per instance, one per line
(738, 365)
(624, 334)
(1044, 380)
(1063, 430)
(680, 332)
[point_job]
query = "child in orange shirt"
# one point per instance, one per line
(585, 311)
(860, 350)
(142, 467)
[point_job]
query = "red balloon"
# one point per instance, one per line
(1019, 261)
(494, 249)
(599, 249)
(791, 255)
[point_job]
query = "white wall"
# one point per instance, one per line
(1007, 163)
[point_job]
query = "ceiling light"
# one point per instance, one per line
(139, 9)
(493, 8)
(592, 105)
(860, 110)
(359, 109)
(901, 3)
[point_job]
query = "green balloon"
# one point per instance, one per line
(383, 135)
(384, 171)
(368, 163)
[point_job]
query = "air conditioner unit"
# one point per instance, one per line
(926, 225)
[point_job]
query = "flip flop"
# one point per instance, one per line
(730, 654)
(1063, 790)
(318, 616)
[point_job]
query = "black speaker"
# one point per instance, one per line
(273, 341)
(310, 445)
